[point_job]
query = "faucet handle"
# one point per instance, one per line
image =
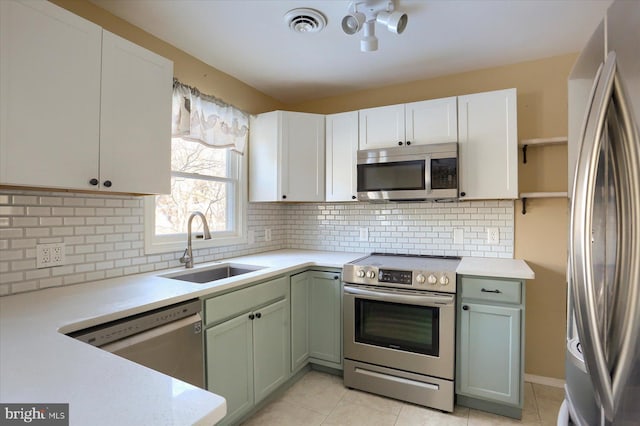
(185, 257)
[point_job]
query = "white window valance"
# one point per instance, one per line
(207, 120)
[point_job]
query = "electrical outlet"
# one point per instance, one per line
(364, 234)
(267, 234)
(493, 235)
(48, 255)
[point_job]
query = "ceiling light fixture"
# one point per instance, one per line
(365, 14)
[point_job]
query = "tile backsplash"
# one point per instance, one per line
(104, 234)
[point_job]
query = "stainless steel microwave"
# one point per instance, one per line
(418, 172)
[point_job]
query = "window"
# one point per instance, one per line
(204, 178)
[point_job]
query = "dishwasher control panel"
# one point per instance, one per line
(112, 331)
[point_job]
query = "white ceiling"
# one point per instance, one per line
(249, 39)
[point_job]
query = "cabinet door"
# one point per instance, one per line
(50, 102)
(264, 154)
(434, 121)
(325, 316)
(382, 127)
(302, 162)
(299, 320)
(229, 356)
(489, 352)
(342, 150)
(135, 126)
(487, 146)
(271, 350)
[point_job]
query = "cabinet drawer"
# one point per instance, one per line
(492, 289)
(231, 304)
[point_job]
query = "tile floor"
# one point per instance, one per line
(321, 399)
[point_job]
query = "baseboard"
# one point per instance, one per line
(542, 380)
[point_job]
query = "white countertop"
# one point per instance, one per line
(493, 267)
(40, 364)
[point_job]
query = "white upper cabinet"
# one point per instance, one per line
(50, 103)
(286, 157)
(417, 123)
(434, 121)
(135, 125)
(488, 145)
(81, 109)
(342, 150)
(382, 127)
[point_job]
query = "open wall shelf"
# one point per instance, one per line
(525, 195)
(525, 143)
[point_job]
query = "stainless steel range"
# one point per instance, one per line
(399, 327)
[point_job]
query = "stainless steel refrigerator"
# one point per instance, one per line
(603, 334)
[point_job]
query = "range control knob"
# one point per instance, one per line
(420, 279)
(444, 280)
(360, 273)
(371, 274)
(432, 279)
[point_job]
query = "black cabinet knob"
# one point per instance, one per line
(399, 142)
(408, 143)
(251, 316)
(284, 197)
(465, 308)
(353, 197)
(258, 315)
(336, 277)
(107, 184)
(462, 194)
(93, 181)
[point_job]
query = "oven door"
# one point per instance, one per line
(408, 330)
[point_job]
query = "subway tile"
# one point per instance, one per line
(38, 211)
(37, 274)
(11, 233)
(50, 201)
(37, 232)
(23, 286)
(11, 210)
(4, 199)
(23, 243)
(24, 200)
(62, 211)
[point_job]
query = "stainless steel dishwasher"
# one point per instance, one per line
(168, 340)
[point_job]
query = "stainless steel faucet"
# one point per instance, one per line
(187, 256)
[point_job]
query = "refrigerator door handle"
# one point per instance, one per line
(629, 154)
(581, 251)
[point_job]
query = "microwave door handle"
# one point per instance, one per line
(427, 174)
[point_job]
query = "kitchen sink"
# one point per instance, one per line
(215, 273)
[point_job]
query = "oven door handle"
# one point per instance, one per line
(413, 299)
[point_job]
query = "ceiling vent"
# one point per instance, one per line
(303, 20)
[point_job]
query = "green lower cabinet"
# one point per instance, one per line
(270, 348)
(248, 355)
(325, 318)
(300, 320)
(490, 350)
(230, 369)
(316, 319)
(490, 363)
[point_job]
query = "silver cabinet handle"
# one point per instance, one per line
(580, 236)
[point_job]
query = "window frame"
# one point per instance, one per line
(154, 244)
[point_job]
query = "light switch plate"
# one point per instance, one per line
(48, 255)
(458, 236)
(267, 234)
(364, 234)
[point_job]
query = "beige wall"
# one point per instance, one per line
(541, 234)
(186, 68)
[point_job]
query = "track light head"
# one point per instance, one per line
(353, 22)
(369, 42)
(396, 22)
